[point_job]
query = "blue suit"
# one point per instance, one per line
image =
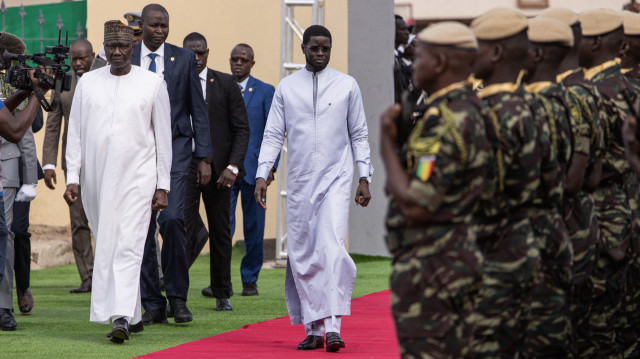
(187, 106)
(257, 99)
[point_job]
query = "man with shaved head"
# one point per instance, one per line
(81, 57)
(436, 262)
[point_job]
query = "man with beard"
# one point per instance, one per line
(321, 112)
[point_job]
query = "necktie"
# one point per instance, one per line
(152, 65)
(241, 89)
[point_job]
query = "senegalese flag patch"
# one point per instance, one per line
(425, 167)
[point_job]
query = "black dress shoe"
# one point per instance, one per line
(154, 317)
(7, 321)
(223, 305)
(249, 289)
(85, 287)
(207, 292)
(334, 342)
(120, 331)
(181, 313)
(136, 328)
(169, 311)
(311, 342)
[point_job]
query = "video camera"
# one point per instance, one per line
(18, 74)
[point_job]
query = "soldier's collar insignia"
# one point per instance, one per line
(590, 73)
(445, 90)
(490, 90)
(538, 86)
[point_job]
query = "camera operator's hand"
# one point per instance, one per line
(34, 80)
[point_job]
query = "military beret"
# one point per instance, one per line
(499, 23)
(546, 29)
(631, 21)
(449, 33)
(599, 22)
(560, 13)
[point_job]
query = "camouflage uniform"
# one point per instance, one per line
(504, 232)
(549, 327)
(614, 215)
(587, 124)
(437, 267)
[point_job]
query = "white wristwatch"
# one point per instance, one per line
(233, 169)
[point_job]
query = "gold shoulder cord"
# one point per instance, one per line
(499, 160)
(450, 125)
(573, 95)
(552, 122)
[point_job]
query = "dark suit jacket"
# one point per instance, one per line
(187, 105)
(54, 124)
(257, 98)
(228, 122)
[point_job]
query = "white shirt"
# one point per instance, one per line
(145, 60)
(203, 82)
(243, 85)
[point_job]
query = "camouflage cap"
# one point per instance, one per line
(631, 22)
(116, 30)
(499, 23)
(548, 30)
(599, 22)
(565, 15)
(449, 33)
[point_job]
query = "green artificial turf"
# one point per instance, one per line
(59, 325)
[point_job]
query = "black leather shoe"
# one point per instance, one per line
(25, 301)
(334, 342)
(169, 311)
(7, 321)
(85, 287)
(154, 317)
(311, 342)
(136, 328)
(120, 331)
(249, 289)
(223, 305)
(181, 313)
(207, 292)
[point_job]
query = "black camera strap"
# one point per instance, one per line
(43, 101)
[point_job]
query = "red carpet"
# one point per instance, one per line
(368, 332)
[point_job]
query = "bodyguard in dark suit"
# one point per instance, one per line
(229, 138)
(187, 107)
(257, 98)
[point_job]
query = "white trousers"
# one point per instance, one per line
(322, 326)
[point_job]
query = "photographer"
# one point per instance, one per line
(12, 128)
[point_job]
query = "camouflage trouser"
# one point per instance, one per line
(512, 261)
(628, 333)
(549, 327)
(615, 221)
(432, 301)
(580, 218)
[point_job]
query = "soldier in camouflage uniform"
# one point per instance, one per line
(437, 267)
(587, 128)
(550, 326)
(602, 36)
(504, 232)
(630, 66)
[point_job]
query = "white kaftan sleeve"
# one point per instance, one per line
(273, 137)
(357, 122)
(161, 121)
(74, 140)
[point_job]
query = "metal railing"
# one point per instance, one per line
(290, 26)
